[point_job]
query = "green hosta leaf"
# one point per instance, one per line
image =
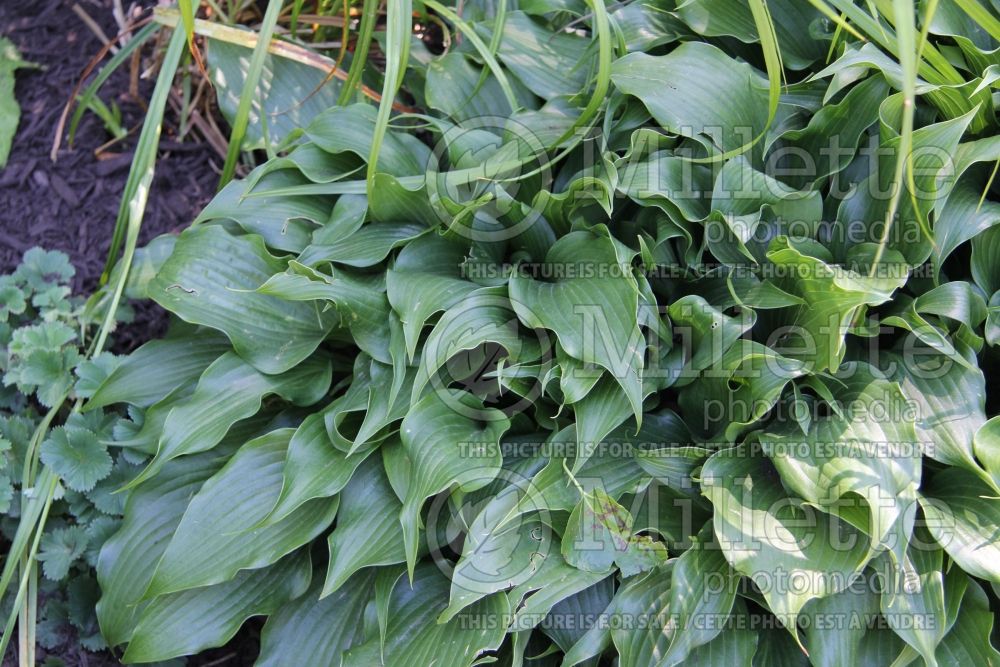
(708, 331)
(413, 636)
(206, 281)
(969, 641)
(367, 394)
(799, 48)
(838, 625)
(313, 468)
(986, 444)
(555, 581)
(10, 112)
(578, 616)
(832, 295)
(956, 301)
(447, 448)
(644, 26)
(843, 122)
(964, 518)
(949, 402)
(736, 645)
(194, 620)
(230, 390)
(682, 90)
(743, 201)
(985, 268)
(349, 130)
(775, 646)
(868, 451)
(739, 389)
(359, 299)
(763, 531)
(598, 530)
(702, 587)
(501, 550)
(425, 279)
(128, 558)
(237, 498)
(453, 88)
(312, 162)
(368, 532)
(285, 223)
(644, 600)
(154, 370)
(365, 247)
(916, 589)
(290, 93)
(963, 217)
(601, 411)
(931, 176)
(547, 63)
(312, 631)
(592, 307)
(77, 456)
(485, 316)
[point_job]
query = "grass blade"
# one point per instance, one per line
(116, 61)
(369, 12)
(982, 16)
(906, 35)
(481, 47)
(149, 140)
(249, 92)
(775, 74)
(602, 28)
(398, 28)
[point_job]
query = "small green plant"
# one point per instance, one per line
(110, 116)
(44, 332)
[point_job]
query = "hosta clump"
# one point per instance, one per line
(44, 334)
(648, 373)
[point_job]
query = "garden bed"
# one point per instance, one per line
(70, 205)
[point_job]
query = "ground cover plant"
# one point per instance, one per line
(646, 333)
(45, 332)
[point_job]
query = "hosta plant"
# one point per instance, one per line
(642, 334)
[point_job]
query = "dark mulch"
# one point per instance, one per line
(71, 205)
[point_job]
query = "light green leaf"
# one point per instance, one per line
(591, 306)
(964, 518)
(194, 620)
(368, 531)
(206, 281)
(316, 632)
(446, 448)
(762, 530)
(230, 390)
(77, 456)
(413, 636)
(219, 534)
(157, 368)
(127, 560)
(682, 91)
